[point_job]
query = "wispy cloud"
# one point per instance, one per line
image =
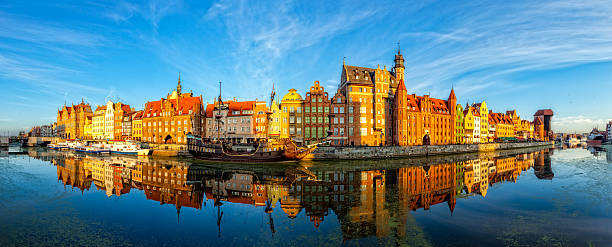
(579, 124)
(151, 10)
(483, 45)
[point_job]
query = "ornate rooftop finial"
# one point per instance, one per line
(343, 60)
(398, 47)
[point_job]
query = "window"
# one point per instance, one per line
(307, 120)
(350, 132)
(327, 109)
(307, 109)
(362, 110)
(307, 132)
(320, 109)
(363, 120)
(320, 120)
(351, 119)
(299, 120)
(299, 109)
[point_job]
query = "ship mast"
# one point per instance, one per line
(218, 116)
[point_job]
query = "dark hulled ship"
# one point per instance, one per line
(221, 148)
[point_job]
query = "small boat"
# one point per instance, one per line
(92, 149)
(595, 140)
(126, 147)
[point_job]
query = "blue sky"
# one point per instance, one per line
(522, 55)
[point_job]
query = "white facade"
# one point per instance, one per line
(109, 121)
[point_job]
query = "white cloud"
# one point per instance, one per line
(483, 45)
(578, 124)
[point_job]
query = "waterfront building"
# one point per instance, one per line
(316, 114)
(126, 126)
(98, 122)
(341, 120)
(71, 120)
(88, 131)
(468, 126)
(373, 93)
(137, 125)
(41, 131)
(113, 119)
(236, 121)
(472, 124)
(545, 115)
(459, 125)
(539, 132)
(169, 120)
(502, 125)
(484, 121)
(291, 116)
(609, 131)
(260, 120)
(274, 120)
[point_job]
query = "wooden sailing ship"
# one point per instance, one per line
(219, 149)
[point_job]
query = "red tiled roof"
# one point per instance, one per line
(185, 105)
(240, 107)
(544, 112)
(439, 106)
(412, 103)
(235, 108)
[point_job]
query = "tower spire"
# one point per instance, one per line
(398, 47)
(178, 88)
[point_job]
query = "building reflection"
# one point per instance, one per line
(364, 201)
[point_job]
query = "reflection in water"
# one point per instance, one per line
(365, 200)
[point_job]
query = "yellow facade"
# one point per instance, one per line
(484, 121)
(291, 116)
(71, 121)
(137, 126)
(88, 129)
(98, 123)
(274, 121)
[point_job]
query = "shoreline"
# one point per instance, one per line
(387, 152)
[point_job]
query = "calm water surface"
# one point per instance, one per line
(557, 197)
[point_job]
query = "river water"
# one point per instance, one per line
(536, 197)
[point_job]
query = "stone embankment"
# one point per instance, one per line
(351, 153)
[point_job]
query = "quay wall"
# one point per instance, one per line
(351, 153)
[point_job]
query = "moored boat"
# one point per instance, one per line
(127, 147)
(282, 150)
(92, 149)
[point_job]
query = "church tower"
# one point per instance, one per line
(398, 68)
(178, 88)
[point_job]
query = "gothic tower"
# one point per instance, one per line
(400, 135)
(398, 68)
(452, 107)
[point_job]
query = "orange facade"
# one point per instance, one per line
(71, 121)
(170, 120)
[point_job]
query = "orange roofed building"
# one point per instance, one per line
(71, 120)
(239, 121)
(169, 120)
(381, 112)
